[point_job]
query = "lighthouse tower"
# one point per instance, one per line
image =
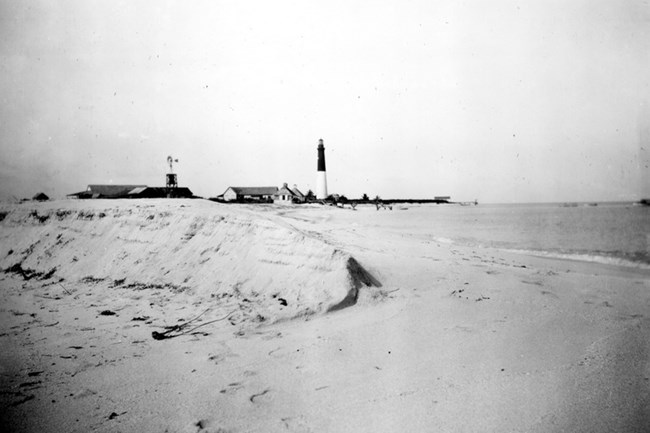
(321, 179)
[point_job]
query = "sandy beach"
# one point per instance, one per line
(305, 319)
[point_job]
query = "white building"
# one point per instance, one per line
(252, 193)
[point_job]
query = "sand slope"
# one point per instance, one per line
(209, 252)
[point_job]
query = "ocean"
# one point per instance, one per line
(611, 233)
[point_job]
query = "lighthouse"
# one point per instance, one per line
(321, 179)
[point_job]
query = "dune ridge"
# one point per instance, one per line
(208, 251)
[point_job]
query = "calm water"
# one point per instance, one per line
(607, 233)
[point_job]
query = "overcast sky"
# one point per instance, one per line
(502, 101)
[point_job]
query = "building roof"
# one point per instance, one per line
(297, 192)
(254, 190)
(137, 190)
(182, 191)
(40, 197)
(125, 191)
(111, 190)
(284, 191)
(294, 192)
(159, 191)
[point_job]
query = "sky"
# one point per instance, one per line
(501, 101)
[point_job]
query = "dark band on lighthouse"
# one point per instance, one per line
(321, 155)
(321, 177)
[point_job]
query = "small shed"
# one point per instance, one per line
(41, 196)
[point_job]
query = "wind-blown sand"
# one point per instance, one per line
(435, 337)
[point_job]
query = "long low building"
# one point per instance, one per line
(131, 191)
(260, 193)
(264, 194)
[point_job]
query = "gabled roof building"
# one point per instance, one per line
(253, 193)
(262, 194)
(286, 195)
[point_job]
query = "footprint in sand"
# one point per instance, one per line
(217, 358)
(222, 356)
(257, 397)
(209, 426)
(232, 388)
(272, 336)
(296, 425)
(86, 392)
(534, 283)
(278, 352)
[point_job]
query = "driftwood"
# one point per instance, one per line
(64, 289)
(178, 330)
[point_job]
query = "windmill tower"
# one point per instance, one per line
(171, 181)
(321, 177)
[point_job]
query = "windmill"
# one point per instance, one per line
(172, 181)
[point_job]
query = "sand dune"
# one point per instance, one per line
(210, 253)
